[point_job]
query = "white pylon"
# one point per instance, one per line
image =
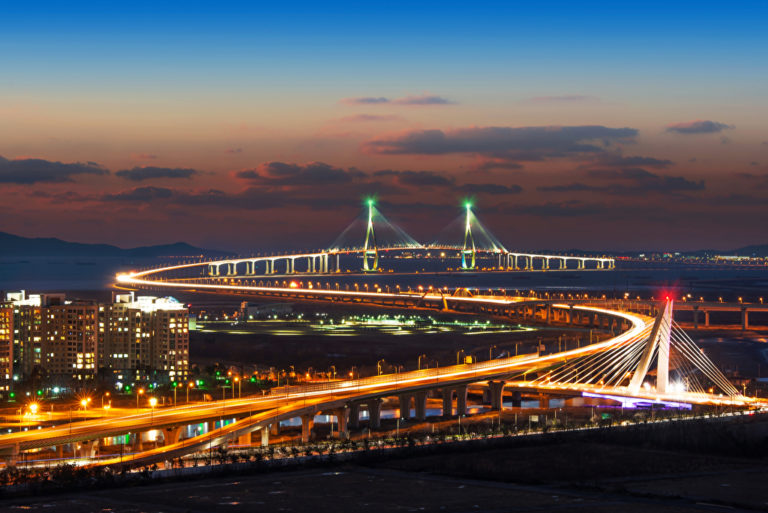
(659, 338)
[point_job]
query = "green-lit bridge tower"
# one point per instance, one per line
(469, 241)
(370, 250)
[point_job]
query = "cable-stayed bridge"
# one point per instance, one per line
(371, 233)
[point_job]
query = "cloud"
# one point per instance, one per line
(618, 160)
(571, 208)
(568, 98)
(358, 118)
(27, 171)
(418, 178)
(424, 99)
(142, 194)
(365, 100)
(698, 127)
(487, 163)
(489, 188)
(630, 181)
(508, 143)
(138, 174)
(288, 174)
(233, 150)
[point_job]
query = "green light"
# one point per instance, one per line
(370, 202)
(39, 392)
(467, 205)
(12, 395)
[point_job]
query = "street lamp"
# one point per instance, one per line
(419, 361)
(458, 360)
(139, 393)
(490, 352)
(191, 384)
(152, 404)
(239, 390)
(33, 408)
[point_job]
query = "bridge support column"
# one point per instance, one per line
(461, 400)
(404, 403)
(543, 401)
(307, 423)
(274, 428)
(374, 413)
(447, 402)
(744, 319)
(420, 405)
(354, 415)
(60, 451)
(264, 436)
(548, 318)
(695, 317)
(172, 435)
(517, 399)
(706, 318)
(497, 394)
(342, 415)
(137, 444)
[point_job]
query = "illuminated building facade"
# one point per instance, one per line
(6, 349)
(48, 338)
(145, 338)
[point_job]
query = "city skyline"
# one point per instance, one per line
(253, 128)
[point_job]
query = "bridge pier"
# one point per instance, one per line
(447, 402)
(543, 401)
(695, 317)
(420, 405)
(461, 400)
(264, 436)
(172, 435)
(706, 318)
(744, 318)
(274, 428)
(497, 393)
(354, 415)
(517, 399)
(307, 423)
(244, 439)
(342, 415)
(404, 404)
(374, 413)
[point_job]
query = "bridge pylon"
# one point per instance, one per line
(469, 248)
(658, 343)
(370, 250)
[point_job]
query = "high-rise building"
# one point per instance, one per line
(48, 338)
(145, 338)
(6, 348)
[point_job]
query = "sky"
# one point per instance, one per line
(253, 127)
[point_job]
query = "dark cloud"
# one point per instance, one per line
(489, 188)
(142, 194)
(508, 143)
(138, 174)
(422, 100)
(630, 181)
(358, 118)
(365, 100)
(618, 160)
(699, 126)
(418, 178)
(310, 174)
(233, 150)
(568, 98)
(30, 171)
(487, 164)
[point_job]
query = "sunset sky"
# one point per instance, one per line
(601, 126)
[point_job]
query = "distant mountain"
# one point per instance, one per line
(16, 246)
